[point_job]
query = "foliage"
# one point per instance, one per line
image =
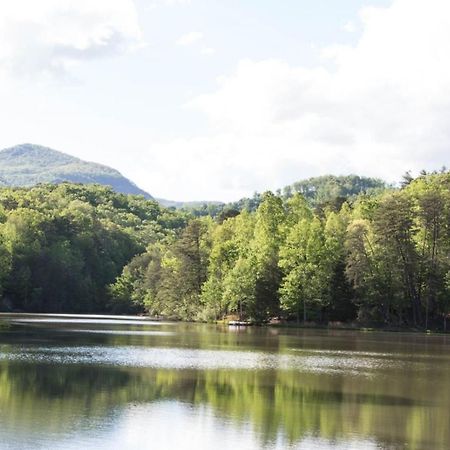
(320, 193)
(381, 259)
(62, 245)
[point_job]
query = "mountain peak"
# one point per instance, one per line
(30, 164)
(28, 148)
(36, 154)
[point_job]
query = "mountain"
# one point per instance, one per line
(327, 188)
(187, 205)
(28, 165)
(320, 192)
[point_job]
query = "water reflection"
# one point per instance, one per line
(141, 391)
(179, 358)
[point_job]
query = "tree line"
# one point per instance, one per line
(382, 259)
(61, 246)
(319, 192)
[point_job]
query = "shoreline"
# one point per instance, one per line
(242, 324)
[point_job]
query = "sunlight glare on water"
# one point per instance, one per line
(178, 358)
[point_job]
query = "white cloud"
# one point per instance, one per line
(172, 2)
(47, 36)
(349, 27)
(208, 51)
(152, 4)
(378, 108)
(177, 2)
(189, 38)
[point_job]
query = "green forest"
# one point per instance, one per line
(61, 246)
(370, 254)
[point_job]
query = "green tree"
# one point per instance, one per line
(265, 247)
(306, 269)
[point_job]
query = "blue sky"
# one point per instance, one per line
(216, 99)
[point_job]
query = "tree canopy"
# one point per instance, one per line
(62, 245)
(381, 258)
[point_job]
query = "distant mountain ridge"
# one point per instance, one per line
(29, 164)
(326, 191)
(188, 204)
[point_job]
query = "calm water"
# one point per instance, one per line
(69, 382)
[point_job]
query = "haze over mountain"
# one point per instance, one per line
(29, 164)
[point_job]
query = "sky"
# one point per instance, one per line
(214, 100)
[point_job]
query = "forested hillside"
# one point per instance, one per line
(319, 192)
(382, 259)
(62, 245)
(28, 165)
(327, 188)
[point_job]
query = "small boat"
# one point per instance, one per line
(239, 323)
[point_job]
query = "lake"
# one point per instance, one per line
(97, 382)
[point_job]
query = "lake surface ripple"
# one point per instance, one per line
(102, 382)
